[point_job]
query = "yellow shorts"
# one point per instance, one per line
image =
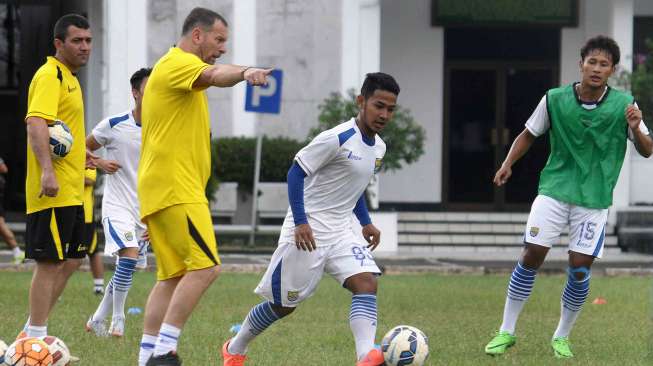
(183, 239)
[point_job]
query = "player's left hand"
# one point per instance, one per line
(146, 236)
(372, 235)
(633, 116)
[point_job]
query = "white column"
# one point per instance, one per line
(361, 41)
(244, 53)
(621, 14)
(125, 50)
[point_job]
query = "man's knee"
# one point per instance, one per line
(579, 274)
(362, 283)
(282, 311)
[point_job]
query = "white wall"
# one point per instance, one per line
(413, 52)
(361, 42)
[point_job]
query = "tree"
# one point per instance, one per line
(404, 138)
(642, 85)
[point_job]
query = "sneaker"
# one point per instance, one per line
(97, 327)
(19, 258)
(561, 347)
(500, 343)
(169, 359)
(117, 328)
(231, 359)
(372, 358)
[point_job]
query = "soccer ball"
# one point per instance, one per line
(3, 349)
(405, 345)
(61, 140)
(28, 352)
(58, 350)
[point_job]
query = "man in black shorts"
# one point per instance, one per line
(54, 188)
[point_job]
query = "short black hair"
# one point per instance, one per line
(601, 43)
(379, 80)
(201, 17)
(137, 79)
(61, 26)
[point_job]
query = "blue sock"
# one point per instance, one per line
(572, 300)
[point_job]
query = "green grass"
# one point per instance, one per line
(459, 314)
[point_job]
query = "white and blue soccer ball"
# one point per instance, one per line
(61, 139)
(405, 345)
(3, 349)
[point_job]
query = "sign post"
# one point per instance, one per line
(262, 99)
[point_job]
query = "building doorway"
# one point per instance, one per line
(493, 81)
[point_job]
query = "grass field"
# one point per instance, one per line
(458, 313)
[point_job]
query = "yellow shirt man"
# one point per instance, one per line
(175, 166)
(55, 94)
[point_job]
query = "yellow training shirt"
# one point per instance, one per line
(91, 174)
(55, 93)
(176, 148)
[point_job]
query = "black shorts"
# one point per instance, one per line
(55, 234)
(90, 238)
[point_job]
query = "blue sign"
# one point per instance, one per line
(265, 98)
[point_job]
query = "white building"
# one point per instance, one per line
(471, 87)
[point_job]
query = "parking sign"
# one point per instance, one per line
(265, 98)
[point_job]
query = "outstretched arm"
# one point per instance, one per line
(230, 75)
(519, 147)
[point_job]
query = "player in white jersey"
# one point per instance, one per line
(325, 184)
(125, 235)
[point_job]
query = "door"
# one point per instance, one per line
(486, 107)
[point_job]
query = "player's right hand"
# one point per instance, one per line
(108, 166)
(49, 184)
(502, 176)
(304, 239)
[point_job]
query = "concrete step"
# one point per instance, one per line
(415, 227)
(478, 217)
(439, 239)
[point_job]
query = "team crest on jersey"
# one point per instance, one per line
(534, 231)
(293, 295)
(129, 236)
(377, 165)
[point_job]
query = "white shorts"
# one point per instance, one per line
(294, 274)
(549, 217)
(124, 232)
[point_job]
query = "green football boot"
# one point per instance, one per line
(561, 347)
(500, 343)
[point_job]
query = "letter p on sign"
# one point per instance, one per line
(266, 98)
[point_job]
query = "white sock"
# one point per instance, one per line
(98, 283)
(147, 347)
(17, 252)
(259, 318)
(567, 320)
(36, 331)
(362, 321)
(106, 304)
(511, 312)
(167, 339)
